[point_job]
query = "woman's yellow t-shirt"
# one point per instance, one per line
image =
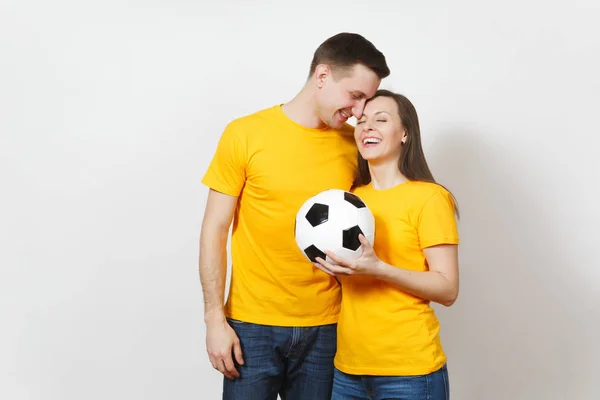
(383, 330)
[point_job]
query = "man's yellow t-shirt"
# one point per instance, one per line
(274, 165)
(383, 330)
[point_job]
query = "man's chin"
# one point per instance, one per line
(336, 124)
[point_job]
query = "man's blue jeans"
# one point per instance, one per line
(295, 363)
(433, 386)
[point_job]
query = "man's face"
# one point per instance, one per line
(344, 97)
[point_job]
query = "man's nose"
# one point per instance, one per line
(358, 109)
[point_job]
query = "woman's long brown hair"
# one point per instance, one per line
(412, 163)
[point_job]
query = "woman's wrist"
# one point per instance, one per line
(380, 269)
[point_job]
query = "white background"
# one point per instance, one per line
(110, 112)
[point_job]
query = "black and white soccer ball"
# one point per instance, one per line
(332, 220)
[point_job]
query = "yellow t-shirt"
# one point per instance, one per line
(274, 165)
(383, 330)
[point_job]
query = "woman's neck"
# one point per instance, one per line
(385, 175)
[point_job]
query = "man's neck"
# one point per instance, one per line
(301, 109)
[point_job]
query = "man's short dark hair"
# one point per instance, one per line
(344, 50)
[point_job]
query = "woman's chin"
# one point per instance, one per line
(368, 156)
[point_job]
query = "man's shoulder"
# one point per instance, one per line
(261, 116)
(345, 136)
(347, 130)
(242, 127)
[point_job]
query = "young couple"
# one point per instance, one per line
(350, 330)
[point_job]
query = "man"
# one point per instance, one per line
(277, 332)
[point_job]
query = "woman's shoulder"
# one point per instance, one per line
(428, 188)
(418, 190)
(429, 194)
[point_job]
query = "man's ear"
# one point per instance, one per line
(322, 72)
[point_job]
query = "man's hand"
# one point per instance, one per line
(221, 344)
(221, 340)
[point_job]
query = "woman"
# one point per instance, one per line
(388, 335)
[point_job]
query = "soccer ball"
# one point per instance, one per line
(332, 220)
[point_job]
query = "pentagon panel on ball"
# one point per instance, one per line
(332, 220)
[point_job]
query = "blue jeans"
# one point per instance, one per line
(433, 386)
(295, 363)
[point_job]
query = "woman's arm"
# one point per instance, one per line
(439, 284)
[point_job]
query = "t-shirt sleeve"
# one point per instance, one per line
(227, 171)
(437, 223)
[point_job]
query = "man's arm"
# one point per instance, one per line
(221, 340)
(213, 256)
